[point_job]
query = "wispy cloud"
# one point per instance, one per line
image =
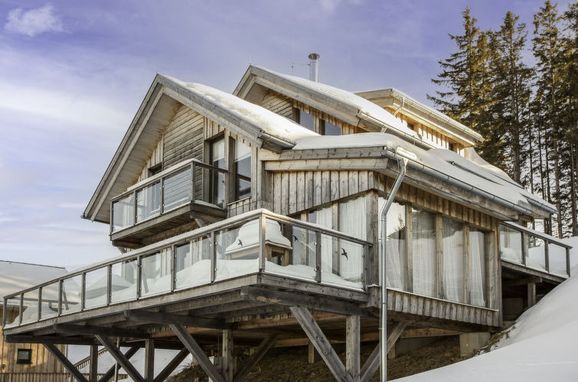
(34, 21)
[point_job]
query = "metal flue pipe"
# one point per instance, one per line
(402, 162)
(314, 67)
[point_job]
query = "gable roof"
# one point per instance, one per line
(339, 103)
(15, 276)
(164, 96)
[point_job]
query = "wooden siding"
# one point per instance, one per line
(42, 360)
(345, 127)
(184, 137)
(279, 104)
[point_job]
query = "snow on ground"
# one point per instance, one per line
(541, 346)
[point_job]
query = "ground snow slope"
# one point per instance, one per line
(542, 345)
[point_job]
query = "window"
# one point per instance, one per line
(423, 249)
(217, 184)
(328, 128)
(396, 245)
(242, 170)
(453, 260)
(153, 170)
(306, 120)
(24, 356)
(510, 244)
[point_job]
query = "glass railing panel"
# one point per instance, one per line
(12, 311)
(123, 213)
(290, 250)
(178, 189)
(347, 262)
(193, 263)
(96, 290)
(156, 273)
(237, 249)
(557, 259)
(49, 304)
(510, 244)
(536, 253)
(71, 294)
(148, 201)
(123, 281)
(30, 306)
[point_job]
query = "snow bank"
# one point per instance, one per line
(270, 123)
(541, 346)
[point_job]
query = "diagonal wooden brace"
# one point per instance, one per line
(120, 359)
(372, 364)
(65, 362)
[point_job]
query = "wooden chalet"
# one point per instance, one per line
(252, 220)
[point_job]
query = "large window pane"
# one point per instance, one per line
(306, 120)
(536, 253)
(510, 244)
(217, 185)
(330, 129)
(453, 260)
(395, 245)
(148, 202)
(242, 169)
(423, 253)
(123, 213)
(178, 189)
(477, 271)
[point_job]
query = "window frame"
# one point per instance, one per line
(24, 361)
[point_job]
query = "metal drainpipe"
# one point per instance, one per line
(402, 162)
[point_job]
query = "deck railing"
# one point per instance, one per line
(255, 242)
(532, 249)
(168, 190)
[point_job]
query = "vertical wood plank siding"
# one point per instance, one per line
(184, 137)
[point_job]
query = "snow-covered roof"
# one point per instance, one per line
(448, 164)
(16, 276)
(339, 99)
(269, 122)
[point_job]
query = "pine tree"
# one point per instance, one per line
(511, 95)
(465, 83)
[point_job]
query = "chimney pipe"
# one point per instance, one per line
(314, 67)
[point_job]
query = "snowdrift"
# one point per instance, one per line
(541, 346)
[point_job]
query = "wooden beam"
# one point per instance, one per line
(353, 346)
(65, 362)
(93, 364)
(110, 372)
(321, 343)
(120, 359)
(227, 354)
(33, 339)
(149, 366)
(172, 365)
(198, 353)
(294, 299)
(99, 331)
(372, 363)
(260, 352)
(170, 318)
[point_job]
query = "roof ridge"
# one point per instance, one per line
(34, 264)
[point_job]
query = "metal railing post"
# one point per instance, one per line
(213, 250)
(39, 304)
(318, 264)
(262, 239)
(173, 267)
(83, 292)
(547, 255)
(108, 284)
(568, 261)
(60, 297)
(139, 277)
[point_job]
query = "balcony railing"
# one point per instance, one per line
(255, 242)
(179, 185)
(532, 249)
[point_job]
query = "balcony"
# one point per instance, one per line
(257, 247)
(532, 252)
(181, 194)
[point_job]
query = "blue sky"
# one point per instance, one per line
(72, 74)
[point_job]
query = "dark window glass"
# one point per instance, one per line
(24, 356)
(217, 159)
(328, 128)
(306, 120)
(242, 170)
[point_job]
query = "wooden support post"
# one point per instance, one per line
(310, 353)
(321, 343)
(260, 352)
(76, 374)
(227, 354)
(372, 363)
(172, 365)
(353, 346)
(197, 352)
(93, 371)
(110, 372)
(149, 367)
(120, 359)
(531, 294)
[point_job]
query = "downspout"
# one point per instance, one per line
(402, 162)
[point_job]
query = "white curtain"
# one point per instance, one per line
(352, 221)
(477, 268)
(325, 219)
(396, 245)
(453, 260)
(423, 253)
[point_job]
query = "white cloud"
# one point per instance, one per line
(34, 21)
(329, 6)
